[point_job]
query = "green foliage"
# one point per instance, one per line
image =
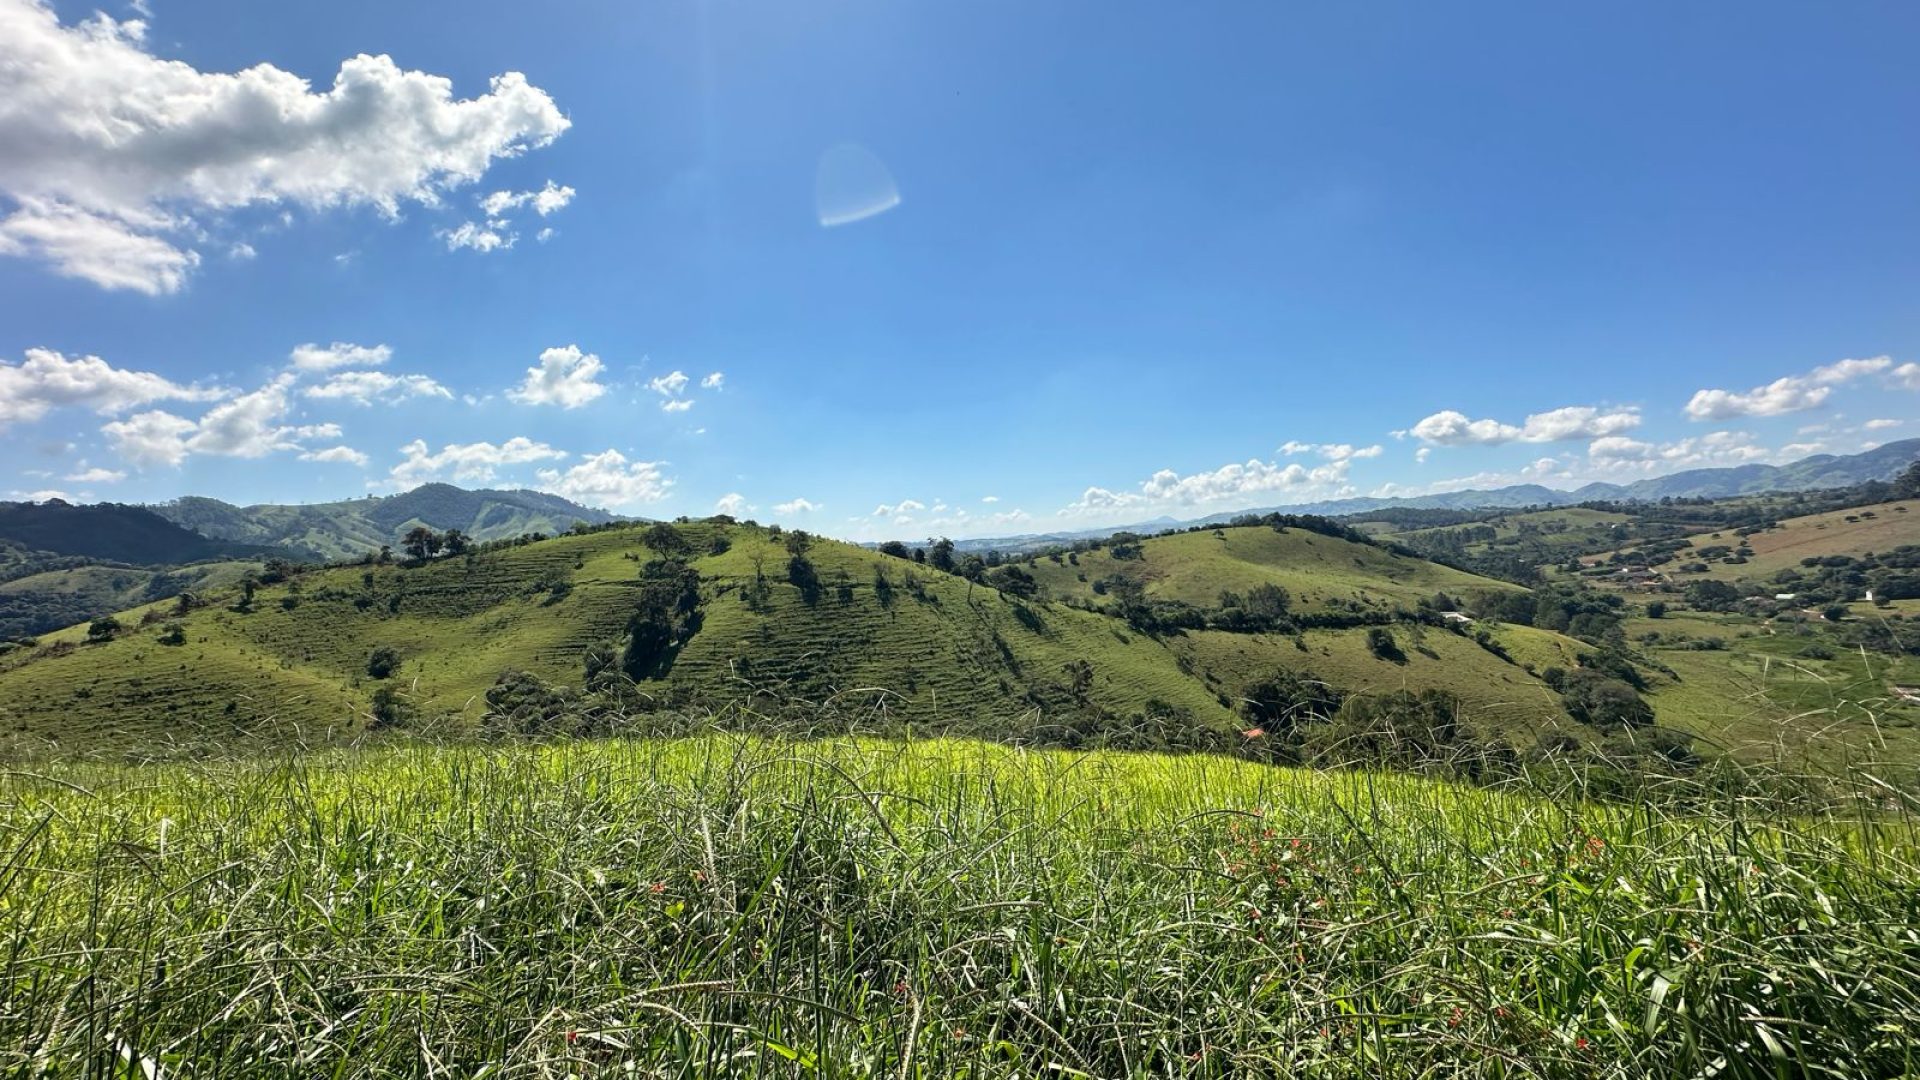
(1381, 642)
(895, 905)
(383, 662)
(103, 629)
(1280, 702)
(1600, 700)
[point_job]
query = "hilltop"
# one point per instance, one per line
(353, 527)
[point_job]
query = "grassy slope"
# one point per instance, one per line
(104, 589)
(1565, 526)
(1763, 699)
(955, 655)
(1194, 567)
(1892, 525)
(732, 907)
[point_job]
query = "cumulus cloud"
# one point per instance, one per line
(340, 455)
(565, 377)
(367, 387)
(989, 498)
(340, 354)
(472, 236)
(469, 463)
(1331, 451)
(1882, 425)
(1420, 456)
(248, 426)
(796, 506)
(547, 200)
(732, 503)
(47, 380)
(1452, 428)
(150, 438)
(669, 385)
(118, 159)
(1228, 482)
(96, 475)
(1907, 375)
(673, 386)
(904, 506)
(1715, 449)
(1792, 393)
(608, 479)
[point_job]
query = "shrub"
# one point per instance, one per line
(382, 662)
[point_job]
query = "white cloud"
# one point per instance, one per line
(93, 247)
(1621, 448)
(905, 506)
(566, 377)
(1420, 456)
(366, 387)
(96, 475)
(1792, 393)
(1718, 448)
(1882, 425)
(989, 498)
(472, 463)
(797, 506)
(676, 405)
(1167, 488)
(337, 455)
(47, 380)
(1331, 451)
(732, 503)
(669, 385)
(1451, 428)
(241, 252)
(150, 438)
(608, 479)
(713, 381)
(493, 236)
(116, 156)
(311, 357)
(544, 235)
(248, 426)
(1907, 375)
(547, 200)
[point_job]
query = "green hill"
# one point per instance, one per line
(1321, 572)
(109, 532)
(351, 528)
(885, 640)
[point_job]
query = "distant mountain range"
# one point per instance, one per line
(1807, 474)
(353, 527)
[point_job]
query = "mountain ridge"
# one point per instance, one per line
(1817, 471)
(349, 528)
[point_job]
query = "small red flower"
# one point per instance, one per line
(1580, 1043)
(657, 888)
(573, 1036)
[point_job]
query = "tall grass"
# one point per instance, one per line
(732, 906)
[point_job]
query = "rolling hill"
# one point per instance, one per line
(1322, 573)
(353, 527)
(111, 532)
(879, 637)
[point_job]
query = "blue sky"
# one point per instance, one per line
(1144, 259)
